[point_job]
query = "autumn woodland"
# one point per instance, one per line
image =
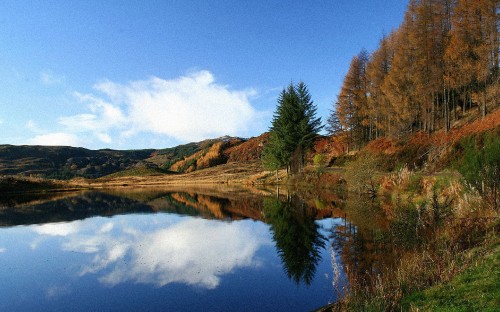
(441, 62)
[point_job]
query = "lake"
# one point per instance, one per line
(174, 250)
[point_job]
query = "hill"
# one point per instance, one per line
(65, 162)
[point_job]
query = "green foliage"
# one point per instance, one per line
(64, 162)
(477, 289)
(341, 160)
(297, 237)
(333, 124)
(481, 167)
(12, 184)
(293, 130)
(178, 153)
(61, 174)
(360, 174)
(191, 162)
(319, 161)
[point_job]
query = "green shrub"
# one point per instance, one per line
(480, 167)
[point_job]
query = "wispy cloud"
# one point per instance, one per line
(2, 250)
(56, 139)
(56, 291)
(48, 78)
(32, 126)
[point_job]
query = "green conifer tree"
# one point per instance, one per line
(293, 129)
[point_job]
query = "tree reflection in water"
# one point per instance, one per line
(298, 240)
(362, 242)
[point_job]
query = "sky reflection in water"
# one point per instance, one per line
(159, 262)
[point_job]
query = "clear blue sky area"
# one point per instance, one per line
(153, 74)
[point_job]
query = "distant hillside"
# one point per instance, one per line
(64, 162)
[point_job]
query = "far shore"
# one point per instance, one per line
(225, 176)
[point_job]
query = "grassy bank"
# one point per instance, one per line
(445, 225)
(475, 289)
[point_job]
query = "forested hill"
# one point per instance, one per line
(442, 62)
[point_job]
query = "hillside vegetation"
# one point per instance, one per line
(64, 162)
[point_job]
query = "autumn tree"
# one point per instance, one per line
(400, 83)
(377, 71)
(352, 102)
(473, 53)
(441, 61)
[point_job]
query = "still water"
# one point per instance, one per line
(167, 251)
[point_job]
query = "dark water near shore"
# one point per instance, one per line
(174, 251)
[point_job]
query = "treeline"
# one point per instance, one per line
(442, 61)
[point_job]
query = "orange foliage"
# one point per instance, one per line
(383, 145)
(441, 138)
(202, 203)
(330, 146)
(210, 156)
(250, 150)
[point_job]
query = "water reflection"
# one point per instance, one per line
(189, 251)
(178, 243)
(109, 203)
(297, 237)
(361, 240)
(70, 207)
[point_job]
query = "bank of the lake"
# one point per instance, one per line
(475, 289)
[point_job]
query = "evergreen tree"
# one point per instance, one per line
(333, 124)
(293, 129)
(274, 155)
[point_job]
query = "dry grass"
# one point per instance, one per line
(445, 224)
(232, 173)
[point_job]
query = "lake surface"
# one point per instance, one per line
(169, 251)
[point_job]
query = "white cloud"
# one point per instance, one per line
(2, 250)
(103, 116)
(57, 229)
(194, 252)
(190, 108)
(56, 139)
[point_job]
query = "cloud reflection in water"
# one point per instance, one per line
(191, 251)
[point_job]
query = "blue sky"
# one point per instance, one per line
(153, 74)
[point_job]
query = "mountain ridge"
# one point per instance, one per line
(65, 162)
